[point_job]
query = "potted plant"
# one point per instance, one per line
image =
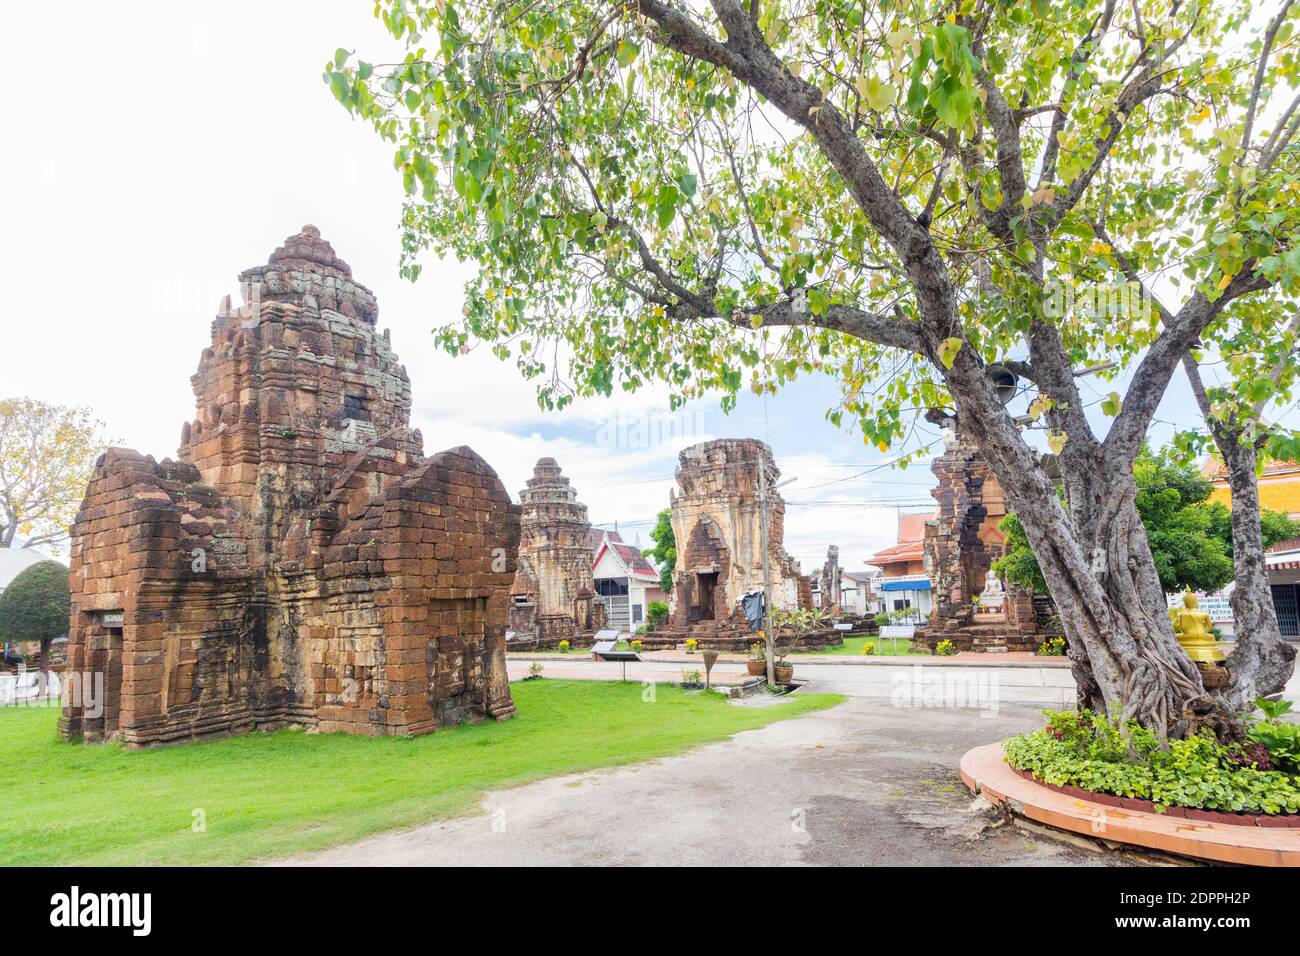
(756, 666)
(789, 628)
(784, 672)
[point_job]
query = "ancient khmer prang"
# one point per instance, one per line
(972, 608)
(553, 597)
(302, 562)
(716, 518)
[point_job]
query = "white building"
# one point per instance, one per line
(904, 585)
(626, 582)
(857, 594)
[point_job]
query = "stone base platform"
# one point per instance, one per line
(986, 772)
(987, 634)
(550, 643)
(732, 640)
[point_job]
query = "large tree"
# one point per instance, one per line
(47, 454)
(896, 194)
(34, 607)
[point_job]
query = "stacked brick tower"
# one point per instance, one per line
(554, 593)
(716, 521)
(961, 544)
(302, 562)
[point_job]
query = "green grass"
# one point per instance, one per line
(852, 646)
(268, 795)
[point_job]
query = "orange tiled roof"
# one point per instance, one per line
(911, 537)
(1279, 485)
(907, 551)
(912, 527)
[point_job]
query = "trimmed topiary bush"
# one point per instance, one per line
(35, 607)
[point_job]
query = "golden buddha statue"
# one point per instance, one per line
(1192, 627)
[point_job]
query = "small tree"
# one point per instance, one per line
(35, 607)
(656, 612)
(665, 550)
(1190, 536)
(47, 453)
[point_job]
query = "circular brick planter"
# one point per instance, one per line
(1221, 837)
(1279, 820)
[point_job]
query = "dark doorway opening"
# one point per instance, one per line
(706, 585)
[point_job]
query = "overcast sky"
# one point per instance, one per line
(155, 150)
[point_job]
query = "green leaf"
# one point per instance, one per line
(949, 349)
(1111, 404)
(666, 205)
(879, 95)
(626, 52)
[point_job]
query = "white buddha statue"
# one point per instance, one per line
(993, 596)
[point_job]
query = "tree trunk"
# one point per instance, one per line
(42, 665)
(1098, 566)
(1261, 662)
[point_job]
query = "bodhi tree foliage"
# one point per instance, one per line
(897, 194)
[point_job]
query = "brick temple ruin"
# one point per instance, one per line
(961, 543)
(554, 595)
(303, 562)
(716, 521)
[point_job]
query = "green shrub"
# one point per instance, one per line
(1087, 751)
(656, 611)
(945, 648)
(1279, 738)
(1052, 647)
(35, 606)
(636, 647)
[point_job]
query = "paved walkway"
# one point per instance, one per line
(925, 680)
(861, 784)
(1007, 681)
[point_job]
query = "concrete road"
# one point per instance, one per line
(863, 783)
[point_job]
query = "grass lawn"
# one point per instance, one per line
(268, 795)
(852, 646)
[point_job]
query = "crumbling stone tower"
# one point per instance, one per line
(961, 544)
(830, 580)
(554, 593)
(716, 521)
(302, 562)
